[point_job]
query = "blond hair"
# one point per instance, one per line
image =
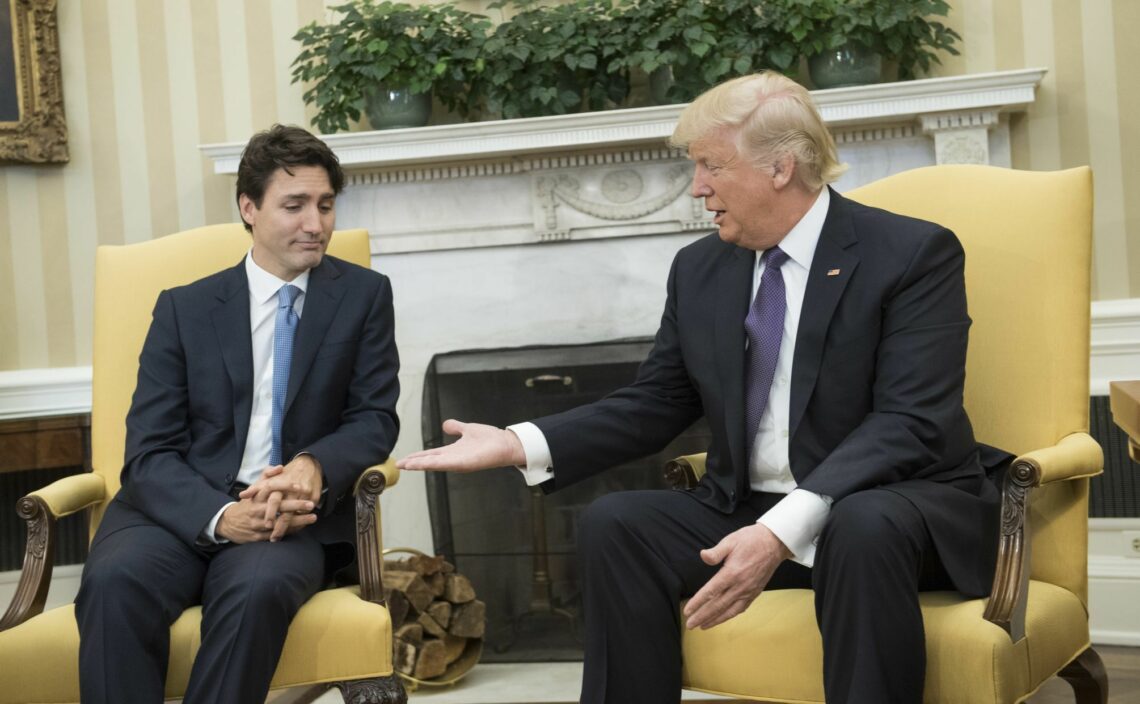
(772, 116)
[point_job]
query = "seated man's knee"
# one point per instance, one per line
(609, 520)
(113, 587)
(868, 522)
(270, 594)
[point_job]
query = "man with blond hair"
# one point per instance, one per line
(825, 343)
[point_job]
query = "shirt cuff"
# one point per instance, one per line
(209, 537)
(539, 465)
(797, 521)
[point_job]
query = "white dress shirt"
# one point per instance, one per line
(263, 288)
(798, 518)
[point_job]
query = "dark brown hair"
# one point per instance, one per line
(282, 147)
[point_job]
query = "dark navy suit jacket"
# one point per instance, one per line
(876, 389)
(187, 426)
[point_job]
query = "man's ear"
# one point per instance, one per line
(783, 171)
(247, 208)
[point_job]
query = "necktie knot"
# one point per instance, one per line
(774, 258)
(286, 295)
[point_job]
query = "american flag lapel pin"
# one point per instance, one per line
(833, 272)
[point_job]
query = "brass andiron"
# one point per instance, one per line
(541, 598)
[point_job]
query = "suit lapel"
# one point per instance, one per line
(831, 269)
(321, 301)
(734, 286)
(231, 323)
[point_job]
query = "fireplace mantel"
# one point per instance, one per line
(610, 174)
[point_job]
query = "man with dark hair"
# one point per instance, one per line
(263, 392)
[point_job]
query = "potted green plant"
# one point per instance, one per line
(552, 59)
(687, 46)
(384, 59)
(847, 42)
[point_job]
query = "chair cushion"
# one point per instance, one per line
(335, 636)
(772, 652)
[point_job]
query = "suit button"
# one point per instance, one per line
(732, 495)
(229, 478)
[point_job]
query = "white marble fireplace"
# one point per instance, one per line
(562, 229)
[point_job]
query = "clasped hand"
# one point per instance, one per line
(280, 502)
(748, 558)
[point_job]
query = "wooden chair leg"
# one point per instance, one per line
(1087, 677)
(379, 690)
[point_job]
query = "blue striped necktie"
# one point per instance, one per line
(284, 329)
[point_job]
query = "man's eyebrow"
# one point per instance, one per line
(306, 196)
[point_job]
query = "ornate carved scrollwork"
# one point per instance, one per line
(1019, 481)
(35, 578)
(368, 556)
(616, 187)
(679, 474)
(32, 512)
(381, 690)
(40, 133)
(1006, 606)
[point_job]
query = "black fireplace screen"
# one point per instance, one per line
(516, 544)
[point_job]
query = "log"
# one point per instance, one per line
(422, 565)
(437, 583)
(404, 656)
(453, 646)
(398, 607)
(469, 620)
(412, 633)
(411, 585)
(434, 614)
(430, 625)
(431, 661)
(441, 612)
(458, 589)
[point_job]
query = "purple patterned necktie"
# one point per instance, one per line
(765, 328)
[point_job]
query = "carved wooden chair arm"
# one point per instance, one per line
(1076, 456)
(684, 472)
(369, 553)
(40, 510)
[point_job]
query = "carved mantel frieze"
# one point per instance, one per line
(611, 174)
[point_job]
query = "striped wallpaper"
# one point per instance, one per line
(147, 81)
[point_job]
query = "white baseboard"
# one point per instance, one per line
(1114, 582)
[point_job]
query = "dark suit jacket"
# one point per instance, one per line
(187, 426)
(876, 389)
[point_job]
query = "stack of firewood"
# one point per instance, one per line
(434, 614)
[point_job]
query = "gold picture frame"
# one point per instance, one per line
(32, 124)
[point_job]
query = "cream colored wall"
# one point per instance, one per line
(1087, 109)
(147, 81)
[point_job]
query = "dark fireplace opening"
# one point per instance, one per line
(516, 544)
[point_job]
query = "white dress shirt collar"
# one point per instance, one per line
(799, 244)
(263, 285)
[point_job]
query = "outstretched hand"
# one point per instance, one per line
(478, 447)
(748, 558)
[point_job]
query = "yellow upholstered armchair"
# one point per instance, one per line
(1028, 239)
(341, 637)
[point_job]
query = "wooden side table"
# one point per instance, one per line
(1124, 400)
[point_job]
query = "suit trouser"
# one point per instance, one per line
(639, 555)
(139, 579)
